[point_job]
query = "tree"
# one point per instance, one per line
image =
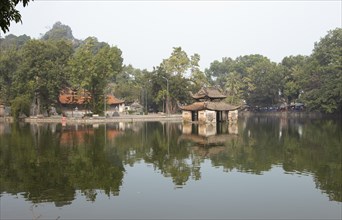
(9, 62)
(128, 84)
(322, 80)
(41, 73)
(218, 71)
(161, 98)
(177, 63)
(292, 68)
(197, 78)
(253, 78)
(20, 105)
(174, 69)
(261, 78)
(91, 68)
(9, 13)
(234, 87)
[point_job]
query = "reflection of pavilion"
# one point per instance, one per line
(210, 129)
(209, 134)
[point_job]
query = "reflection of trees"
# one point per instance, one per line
(318, 152)
(300, 145)
(155, 143)
(37, 164)
(50, 163)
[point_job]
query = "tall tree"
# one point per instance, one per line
(173, 70)
(234, 88)
(177, 63)
(9, 62)
(261, 78)
(128, 84)
(197, 78)
(92, 67)
(42, 71)
(292, 68)
(322, 80)
(218, 71)
(9, 13)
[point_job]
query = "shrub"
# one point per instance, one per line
(20, 105)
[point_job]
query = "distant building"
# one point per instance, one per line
(135, 107)
(209, 107)
(114, 105)
(75, 103)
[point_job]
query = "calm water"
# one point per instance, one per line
(264, 167)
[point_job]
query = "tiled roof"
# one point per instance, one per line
(197, 106)
(136, 105)
(210, 92)
(112, 100)
(220, 106)
(215, 106)
(70, 99)
(68, 96)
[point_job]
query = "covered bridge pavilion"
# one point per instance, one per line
(209, 107)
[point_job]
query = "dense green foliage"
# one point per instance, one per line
(9, 13)
(39, 69)
(322, 80)
(92, 67)
(315, 80)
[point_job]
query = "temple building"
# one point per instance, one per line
(75, 103)
(209, 107)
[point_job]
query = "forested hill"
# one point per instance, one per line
(37, 69)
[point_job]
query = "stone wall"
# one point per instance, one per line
(233, 116)
(2, 110)
(202, 117)
(186, 115)
(206, 116)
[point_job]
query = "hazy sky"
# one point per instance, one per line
(146, 31)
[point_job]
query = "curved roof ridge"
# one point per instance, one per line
(209, 92)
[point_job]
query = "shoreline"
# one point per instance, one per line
(92, 120)
(153, 117)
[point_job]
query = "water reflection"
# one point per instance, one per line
(50, 162)
(208, 135)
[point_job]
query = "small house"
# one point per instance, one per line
(209, 107)
(135, 108)
(114, 105)
(74, 103)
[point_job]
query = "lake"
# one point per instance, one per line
(263, 167)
